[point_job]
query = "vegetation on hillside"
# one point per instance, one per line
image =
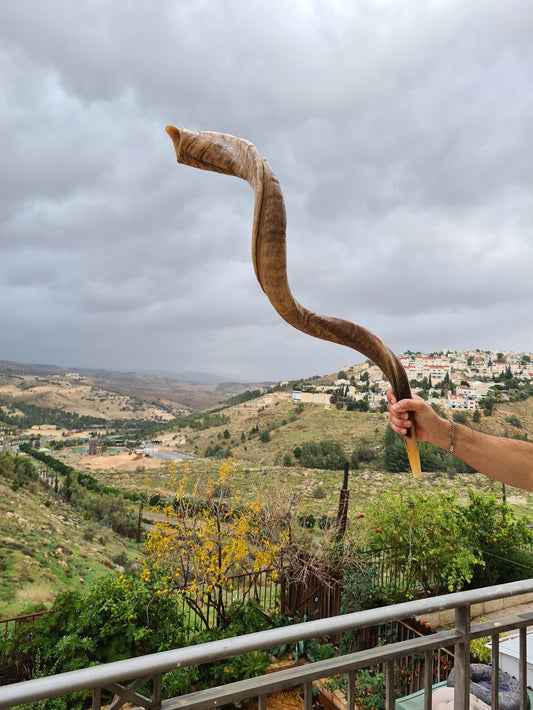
(96, 501)
(199, 421)
(32, 415)
(47, 546)
(266, 435)
(435, 542)
(242, 397)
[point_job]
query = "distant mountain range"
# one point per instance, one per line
(189, 391)
(192, 377)
(188, 377)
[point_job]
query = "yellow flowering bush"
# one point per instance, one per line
(208, 535)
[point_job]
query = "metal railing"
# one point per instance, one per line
(114, 677)
(10, 628)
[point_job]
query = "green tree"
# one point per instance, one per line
(325, 454)
(7, 465)
(514, 421)
(425, 535)
(395, 456)
(357, 405)
(446, 385)
(497, 536)
(460, 417)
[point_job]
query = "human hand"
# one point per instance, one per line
(429, 426)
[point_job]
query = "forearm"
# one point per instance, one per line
(507, 460)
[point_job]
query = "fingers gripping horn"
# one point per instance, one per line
(227, 154)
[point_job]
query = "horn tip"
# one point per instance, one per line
(413, 454)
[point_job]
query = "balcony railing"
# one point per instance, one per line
(117, 677)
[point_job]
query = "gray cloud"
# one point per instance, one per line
(401, 134)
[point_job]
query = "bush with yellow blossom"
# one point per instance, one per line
(208, 535)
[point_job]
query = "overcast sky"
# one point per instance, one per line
(401, 132)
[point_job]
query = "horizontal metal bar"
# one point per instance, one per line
(223, 694)
(99, 676)
(500, 626)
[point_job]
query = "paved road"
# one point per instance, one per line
(170, 455)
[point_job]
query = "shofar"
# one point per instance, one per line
(223, 153)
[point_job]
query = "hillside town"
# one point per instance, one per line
(452, 379)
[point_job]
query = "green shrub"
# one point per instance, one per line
(120, 617)
(514, 421)
(327, 454)
(254, 664)
(497, 536)
(311, 649)
(318, 493)
(370, 689)
(287, 460)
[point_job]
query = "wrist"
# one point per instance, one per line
(446, 435)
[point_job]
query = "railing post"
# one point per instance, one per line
(157, 685)
(495, 660)
(462, 659)
(308, 695)
(389, 685)
(428, 679)
(350, 695)
(522, 669)
(97, 699)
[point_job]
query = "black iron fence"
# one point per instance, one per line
(266, 588)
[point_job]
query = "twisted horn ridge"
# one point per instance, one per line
(229, 155)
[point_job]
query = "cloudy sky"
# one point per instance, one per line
(401, 132)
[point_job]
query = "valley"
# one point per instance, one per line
(48, 544)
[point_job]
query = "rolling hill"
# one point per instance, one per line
(112, 395)
(47, 546)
